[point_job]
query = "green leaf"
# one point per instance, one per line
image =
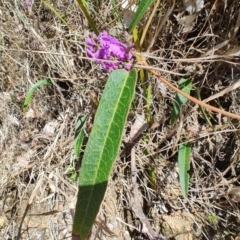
(143, 6)
(185, 85)
(71, 173)
(78, 137)
(184, 152)
(152, 177)
(102, 148)
(213, 219)
(33, 89)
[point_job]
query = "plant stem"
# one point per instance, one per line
(87, 15)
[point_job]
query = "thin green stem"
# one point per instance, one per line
(56, 13)
(87, 15)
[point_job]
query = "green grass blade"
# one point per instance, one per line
(58, 15)
(87, 15)
(102, 148)
(29, 96)
(202, 109)
(78, 137)
(141, 10)
(184, 152)
(185, 85)
(78, 140)
(149, 103)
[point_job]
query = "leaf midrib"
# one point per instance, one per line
(104, 143)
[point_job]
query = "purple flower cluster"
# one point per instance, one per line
(107, 47)
(25, 4)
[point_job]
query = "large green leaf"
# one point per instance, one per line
(185, 85)
(184, 152)
(102, 148)
(141, 10)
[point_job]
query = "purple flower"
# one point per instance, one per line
(107, 47)
(25, 4)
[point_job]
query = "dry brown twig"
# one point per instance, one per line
(136, 129)
(149, 22)
(135, 201)
(163, 23)
(33, 194)
(190, 98)
(143, 64)
(221, 45)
